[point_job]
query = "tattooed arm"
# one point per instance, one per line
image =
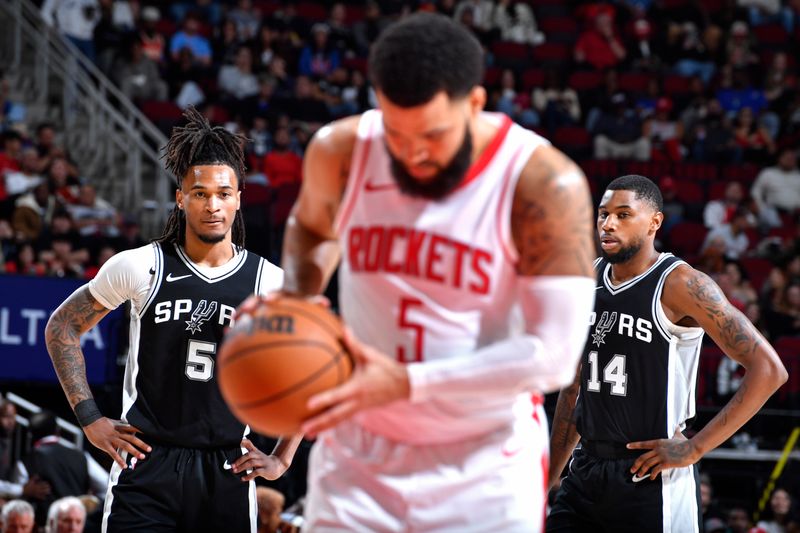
(77, 315)
(564, 435)
(691, 298)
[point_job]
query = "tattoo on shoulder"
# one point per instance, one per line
(63, 342)
(554, 224)
(735, 330)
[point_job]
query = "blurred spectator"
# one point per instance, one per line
(556, 104)
(780, 515)
(153, 44)
(191, 39)
(246, 19)
(105, 253)
(11, 112)
(284, 83)
(719, 212)
(674, 210)
(49, 150)
(32, 211)
(76, 20)
(665, 133)
(319, 58)
(130, 234)
(599, 46)
(708, 505)
(261, 139)
(618, 133)
(61, 261)
(646, 103)
(305, 104)
(739, 47)
(208, 10)
(732, 234)
(753, 141)
(366, 30)
(514, 103)
(9, 488)
(515, 21)
(265, 45)
(777, 189)
(226, 43)
(181, 80)
(783, 319)
(713, 139)
(739, 520)
(739, 288)
(64, 468)
(737, 92)
(281, 165)
(62, 226)
(642, 55)
(62, 185)
(12, 152)
(17, 517)
(138, 76)
(602, 100)
(26, 178)
(270, 506)
(66, 515)
(25, 264)
(480, 12)
(333, 92)
(93, 215)
(237, 82)
(780, 82)
(341, 36)
(753, 313)
(688, 53)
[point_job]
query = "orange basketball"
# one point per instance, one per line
(275, 358)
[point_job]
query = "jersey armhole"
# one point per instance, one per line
(358, 164)
(158, 268)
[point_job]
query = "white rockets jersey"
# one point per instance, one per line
(424, 280)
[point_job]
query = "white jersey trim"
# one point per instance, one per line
(358, 163)
(239, 259)
(158, 271)
(625, 285)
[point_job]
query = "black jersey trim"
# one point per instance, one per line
(159, 271)
(633, 281)
(663, 328)
(191, 266)
(259, 275)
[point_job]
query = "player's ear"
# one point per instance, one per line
(179, 198)
(656, 221)
(477, 100)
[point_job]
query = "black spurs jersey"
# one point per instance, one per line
(638, 370)
(171, 390)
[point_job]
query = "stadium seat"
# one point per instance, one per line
(771, 35)
(686, 238)
(654, 170)
(573, 140)
(746, 173)
(690, 192)
(552, 53)
(634, 82)
(532, 78)
(600, 169)
(312, 11)
(757, 270)
(696, 171)
(710, 358)
(676, 85)
(585, 80)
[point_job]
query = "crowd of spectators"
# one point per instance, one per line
(701, 96)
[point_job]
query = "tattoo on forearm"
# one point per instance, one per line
(64, 345)
(735, 331)
(736, 401)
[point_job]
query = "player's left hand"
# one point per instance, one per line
(377, 379)
(267, 466)
(664, 454)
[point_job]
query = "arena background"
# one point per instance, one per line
(700, 96)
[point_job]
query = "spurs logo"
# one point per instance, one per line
(603, 326)
(201, 314)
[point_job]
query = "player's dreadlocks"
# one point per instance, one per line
(198, 143)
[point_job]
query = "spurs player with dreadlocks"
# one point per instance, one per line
(183, 290)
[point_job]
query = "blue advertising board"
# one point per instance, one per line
(26, 304)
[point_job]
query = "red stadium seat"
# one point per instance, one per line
(311, 11)
(510, 50)
(559, 29)
(356, 63)
(690, 192)
(745, 173)
(696, 171)
(710, 358)
(676, 85)
(532, 78)
(585, 80)
(634, 82)
(157, 110)
(551, 53)
(686, 238)
(771, 35)
(654, 170)
(600, 169)
(573, 140)
(757, 270)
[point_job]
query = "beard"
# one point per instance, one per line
(624, 254)
(447, 179)
(211, 239)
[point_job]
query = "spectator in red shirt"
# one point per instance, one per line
(599, 46)
(281, 165)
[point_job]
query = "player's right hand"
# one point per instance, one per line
(115, 436)
(36, 488)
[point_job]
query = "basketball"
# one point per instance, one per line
(276, 358)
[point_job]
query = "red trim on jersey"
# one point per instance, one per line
(511, 256)
(488, 153)
(537, 400)
(351, 200)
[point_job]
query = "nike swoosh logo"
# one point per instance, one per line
(372, 187)
(637, 478)
(171, 278)
(598, 287)
(512, 447)
(226, 465)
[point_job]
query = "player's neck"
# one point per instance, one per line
(483, 134)
(208, 254)
(636, 265)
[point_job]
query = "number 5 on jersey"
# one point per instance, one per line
(613, 373)
(199, 360)
(418, 331)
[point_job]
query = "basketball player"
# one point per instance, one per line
(635, 470)
(448, 219)
(183, 290)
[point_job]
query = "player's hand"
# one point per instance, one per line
(253, 301)
(664, 454)
(258, 463)
(377, 380)
(113, 436)
(36, 489)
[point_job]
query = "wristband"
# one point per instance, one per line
(87, 412)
